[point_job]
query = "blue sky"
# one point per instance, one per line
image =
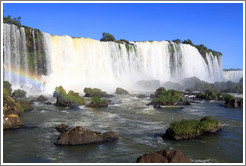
(218, 26)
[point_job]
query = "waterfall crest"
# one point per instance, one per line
(76, 63)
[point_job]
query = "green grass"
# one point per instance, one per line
(168, 97)
(71, 96)
(97, 100)
(94, 92)
(193, 127)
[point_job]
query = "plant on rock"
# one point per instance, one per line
(187, 129)
(67, 99)
(96, 101)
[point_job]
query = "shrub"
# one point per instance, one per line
(168, 97)
(7, 88)
(68, 99)
(19, 93)
(194, 127)
(107, 37)
(89, 92)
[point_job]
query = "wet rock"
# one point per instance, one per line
(79, 136)
(189, 129)
(184, 103)
(41, 98)
(97, 105)
(157, 105)
(90, 92)
(163, 156)
(48, 103)
(142, 96)
(120, 91)
(61, 127)
(11, 121)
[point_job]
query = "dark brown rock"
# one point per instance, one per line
(61, 127)
(41, 98)
(79, 135)
(164, 156)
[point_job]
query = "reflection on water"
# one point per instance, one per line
(137, 125)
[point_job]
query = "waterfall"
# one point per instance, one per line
(76, 63)
(233, 75)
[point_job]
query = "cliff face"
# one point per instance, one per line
(78, 62)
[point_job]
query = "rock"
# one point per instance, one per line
(12, 121)
(149, 84)
(184, 103)
(233, 103)
(97, 102)
(188, 129)
(80, 136)
(41, 98)
(152, 96)
(120, 91)
(163, 156)
(19, 93)
(95, 105)
(89, 92)
(61, 127)
(142, 96)
(48, 103)
(157, 105)
(172, 85)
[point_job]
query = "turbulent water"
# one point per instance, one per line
(137, 125)
(76, 63)
(233, 75)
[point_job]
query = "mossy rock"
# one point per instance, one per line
(19, 93)
(120, 91)
(187, 129)
(89, 92)
(67, 99)
(163, 97)
(96, 101)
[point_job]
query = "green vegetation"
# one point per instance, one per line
(209, 95)
(7, 89)
(10, 20)
(192, 128)
(107, 37)
(68, 99)
(201, 48)
(97, 100)
(169, 97)
(89, 92)
(18, 93)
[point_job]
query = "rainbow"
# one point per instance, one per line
(23, 77)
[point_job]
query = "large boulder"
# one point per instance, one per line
(188, 129)
(12, 121)
(163, 156)
(80, 136)
(67, 99)
(97, 102)
(120, 91)
(90, 92)
(41, 98)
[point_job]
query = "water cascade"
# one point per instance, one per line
(233, 75)
(46, 61)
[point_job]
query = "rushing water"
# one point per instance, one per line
(137, 125)
(39, 61)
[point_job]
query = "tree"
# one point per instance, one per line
(188, 41)
(177, 41)
(107, 37)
